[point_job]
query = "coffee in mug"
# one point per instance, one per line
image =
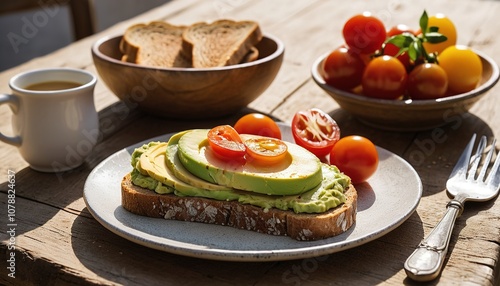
(52, 85)
(54, 119)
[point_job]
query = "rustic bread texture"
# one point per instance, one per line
(220, 43)
(144, 202)
(157, 44)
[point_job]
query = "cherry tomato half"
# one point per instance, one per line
(226, 143)
(315, 130)
(266, 150)
(258, 124)
(343, 69)
(364, 33)
(355, 156)
(427, 81)
(384, 77)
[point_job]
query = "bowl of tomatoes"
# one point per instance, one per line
(402, 80)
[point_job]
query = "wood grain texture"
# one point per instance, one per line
(58, 242)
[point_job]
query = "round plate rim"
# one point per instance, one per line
(149, 239)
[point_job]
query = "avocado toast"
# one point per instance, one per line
(181, 180)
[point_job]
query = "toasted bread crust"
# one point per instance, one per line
(144, 202)
(221, 43)
(157, 44)
(201, 45)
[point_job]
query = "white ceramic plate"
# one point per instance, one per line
(389, 197)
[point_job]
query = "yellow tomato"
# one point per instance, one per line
(447, 28)
(463, 67)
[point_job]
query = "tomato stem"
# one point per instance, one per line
(413, 45)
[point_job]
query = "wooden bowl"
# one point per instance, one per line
(408, 115)
(188, 93)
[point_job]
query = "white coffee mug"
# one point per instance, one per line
(54, 120)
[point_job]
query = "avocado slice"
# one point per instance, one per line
(174, 164)
(152, 163)
(299, 172)
(152, 170)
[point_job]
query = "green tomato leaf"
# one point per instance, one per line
(413, 45)
(401, 41)
(413, 51)
(435, 37)
(424, 21)
(402, 50)
(433, 29)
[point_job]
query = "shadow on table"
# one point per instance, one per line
(471, 209)
(432, 153)
(112, 260)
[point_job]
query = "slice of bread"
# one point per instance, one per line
(157, 44)
(302, 226)
(221, 43)
(251, 56)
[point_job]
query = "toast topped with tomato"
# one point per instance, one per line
(249, 182)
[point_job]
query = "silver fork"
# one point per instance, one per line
(464, 184)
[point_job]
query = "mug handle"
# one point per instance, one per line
(13, 101)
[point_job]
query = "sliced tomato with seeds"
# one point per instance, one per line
(226, 143)
(266, 150)
(315, 130)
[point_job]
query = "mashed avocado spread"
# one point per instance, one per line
(156, 167)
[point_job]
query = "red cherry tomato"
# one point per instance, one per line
(364, 33)
(384, 77)
(355, 156)
(258, 124)
(315, 130)
(266, 150)
(392, 50)
(427, 81)
(343, 69)
(398, 30)
(226, 143)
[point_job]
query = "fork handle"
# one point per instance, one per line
(425, 263)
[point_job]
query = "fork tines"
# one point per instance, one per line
(483, 157)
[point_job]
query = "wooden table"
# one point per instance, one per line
(57, 241)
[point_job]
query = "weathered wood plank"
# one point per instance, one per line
(95, 254)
